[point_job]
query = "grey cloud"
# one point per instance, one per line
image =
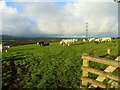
(17, 24)
(70, 19)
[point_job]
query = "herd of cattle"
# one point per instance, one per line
(4, 48)
(68, 41)
(104, 39)
(72, 41)
(65, 41)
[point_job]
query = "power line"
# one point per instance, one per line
(87, 30)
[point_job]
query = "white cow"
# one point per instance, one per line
(66, 41)
(97, 40)
(84, 40)
(37, 42)
(91, 39)
(106, 39)
(74, 40)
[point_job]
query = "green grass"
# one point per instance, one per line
(54, 66)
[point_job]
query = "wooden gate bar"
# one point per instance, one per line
(101, 60)
(101, 73)
(98, 83)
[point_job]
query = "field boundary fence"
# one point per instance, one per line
(102, 75)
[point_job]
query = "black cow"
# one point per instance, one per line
(40, 43)
(45, 44)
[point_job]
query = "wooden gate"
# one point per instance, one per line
(113, 65)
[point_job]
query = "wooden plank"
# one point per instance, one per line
(108, 51)
(108, 69)
(85, 73)
(102, 60)
(101, 73)
(82, 86)
(95, 82)
(85, 63)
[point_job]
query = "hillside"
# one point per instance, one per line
(54, 66)
(9, 37)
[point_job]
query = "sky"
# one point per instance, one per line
(59, 18)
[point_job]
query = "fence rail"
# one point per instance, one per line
(101, 60)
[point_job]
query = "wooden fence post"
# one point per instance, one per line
(108, 51)
(85, 73)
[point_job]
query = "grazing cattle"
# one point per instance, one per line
(62, 43)
(68, 41)
(97, 40)
(74, 40)
(106, 39)
(45, 44)
(84, 40)
(91, 39)
(37, 42)
(40, 42)
(4, 48)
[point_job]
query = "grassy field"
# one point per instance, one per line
(54, 66)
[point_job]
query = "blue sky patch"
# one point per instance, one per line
(13, 5)
(60, 3)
